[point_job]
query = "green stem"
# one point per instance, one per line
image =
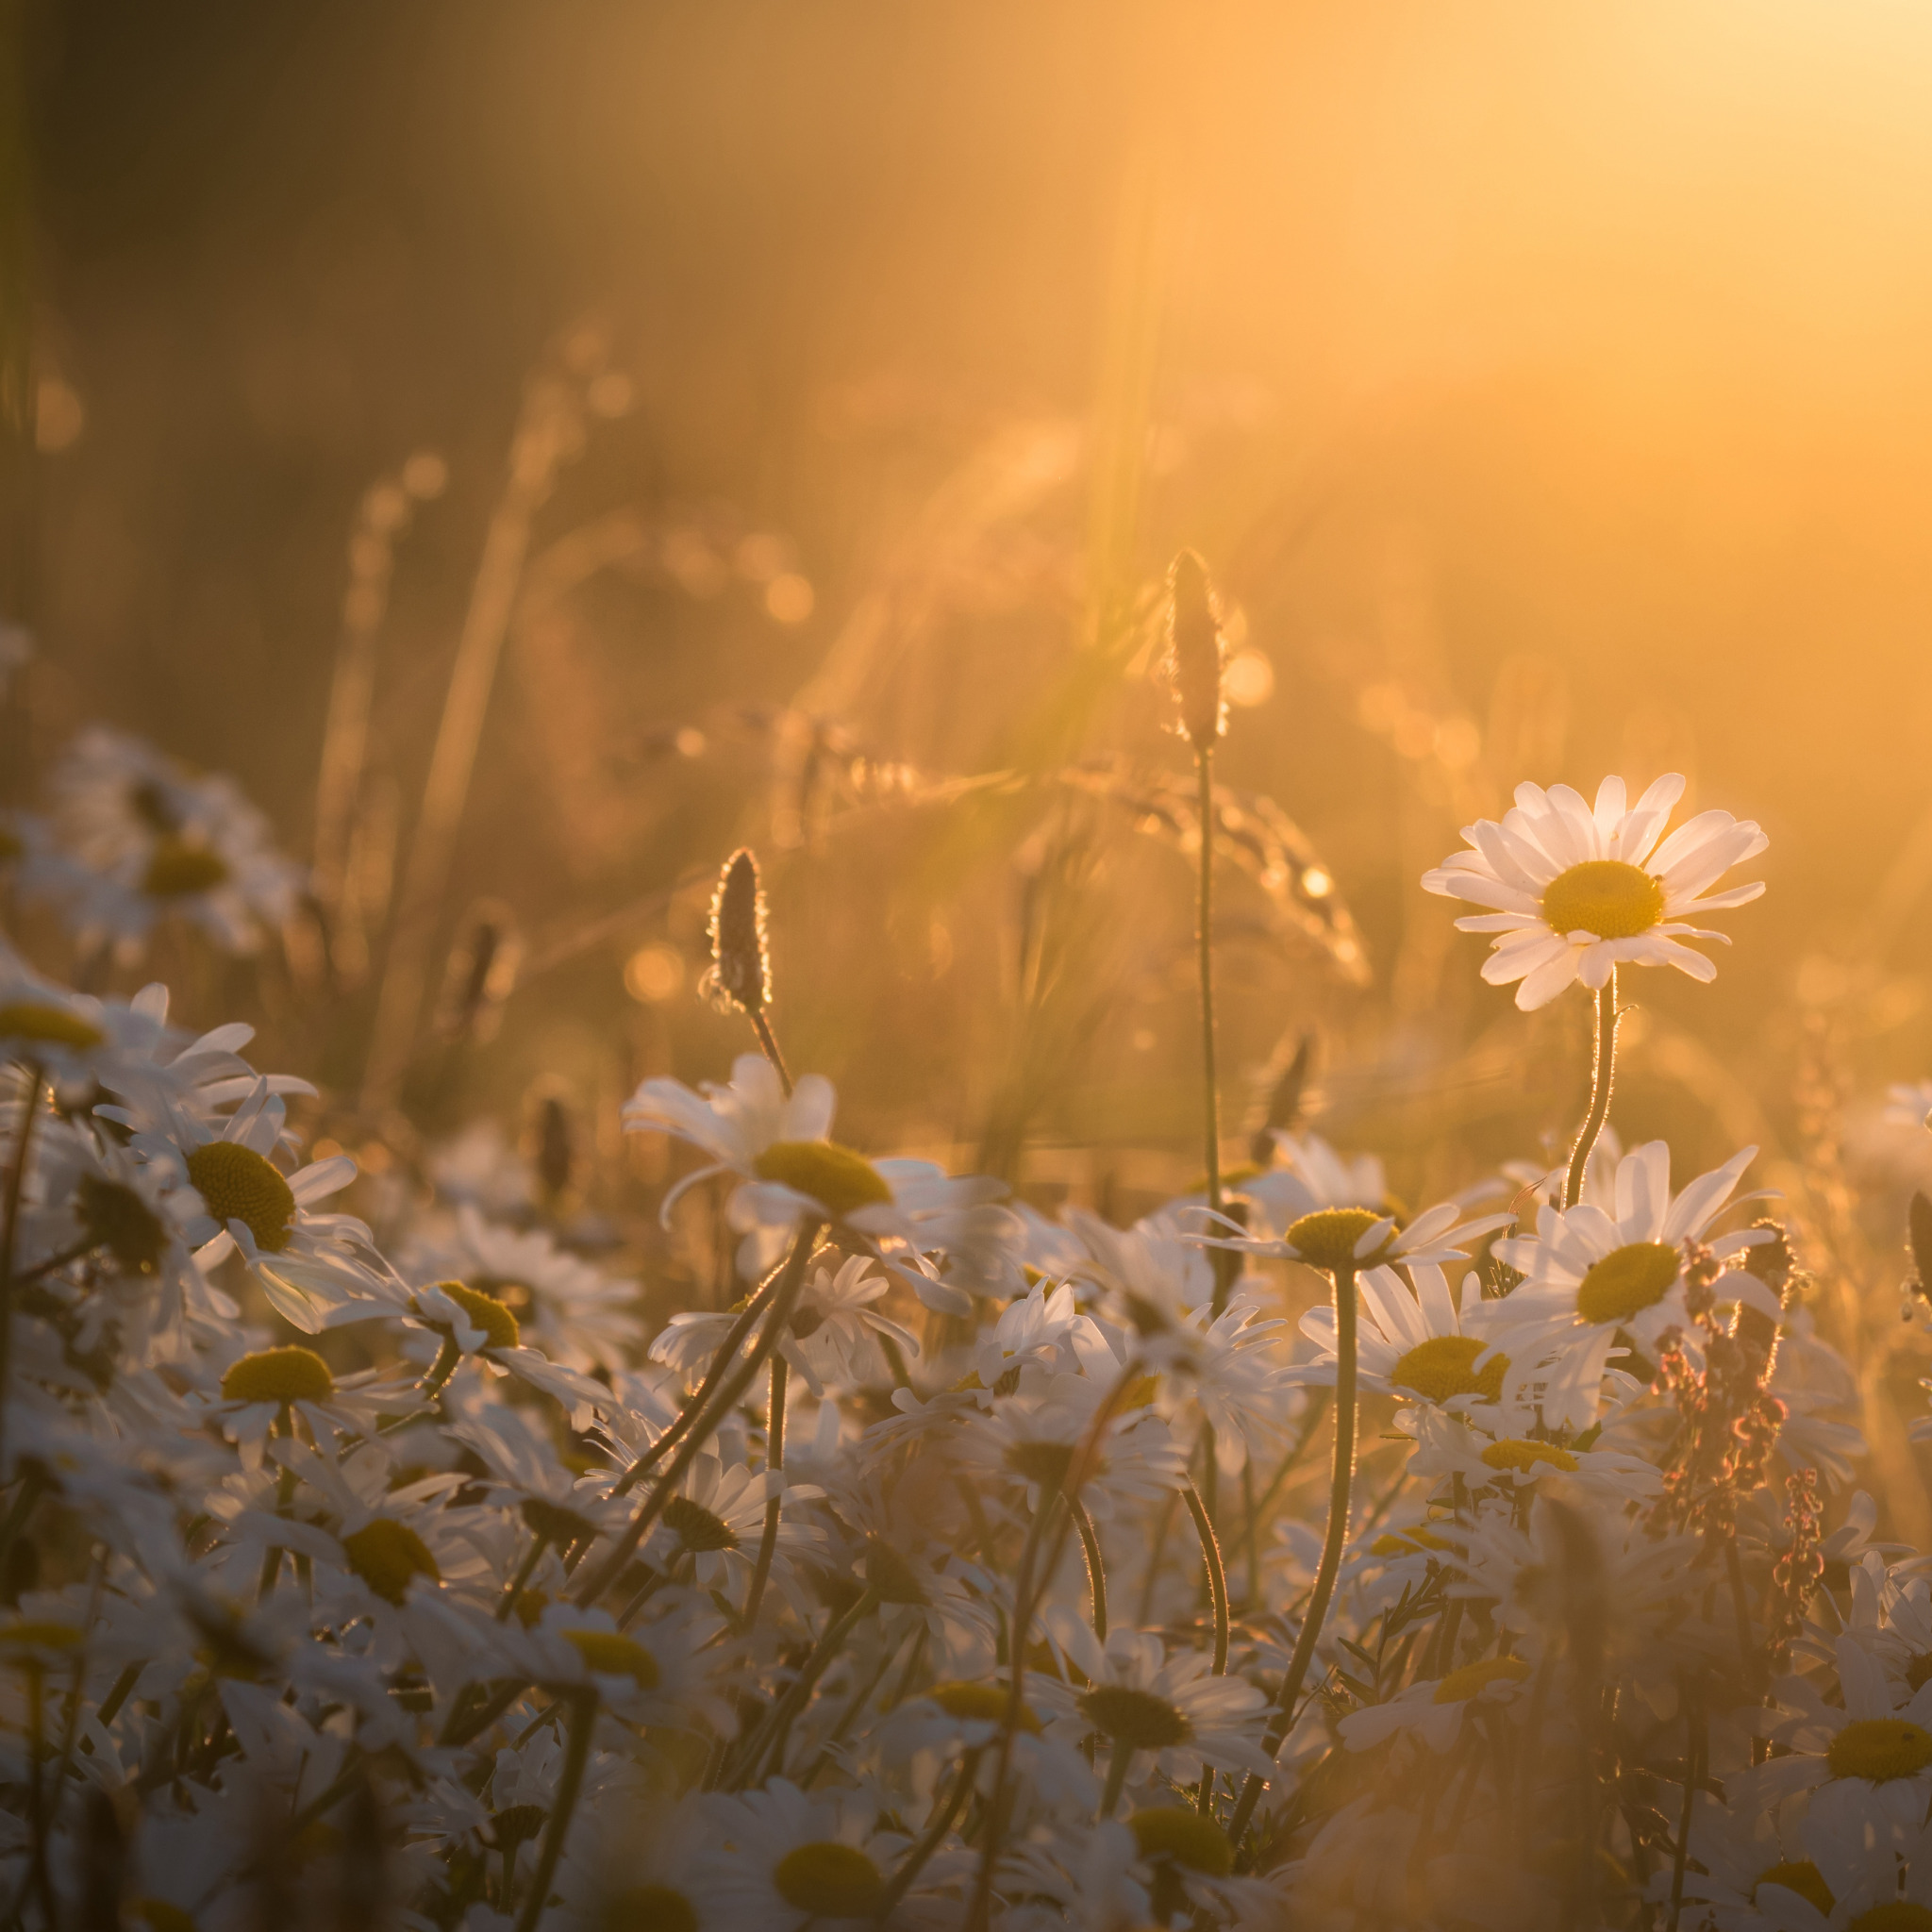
(1204, 773)
(1602, 1069)
(774, 1459)
(770, 1736)
(448, 1359)
(16, 1186)
(768, 1045)
(931, 1840)
(1217, 1574)
(1116, 1776)
(721, 1405)
(1341, 1479)
(1152, 1580)
(1693, 1742)
(515, 1587)
(577, 1755)
(1096, 1569)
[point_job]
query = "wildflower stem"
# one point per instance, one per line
(1217, 1574)
(769, 1740)
(516, 1586)
(1096, 1569)
(577, 1755)
(768, 1043)
(1693, 1748)
(721, 1405)
(9, 1232)
(930, 1840)
(1116, 1776)
(1204, 773)
(1603, 1067)
(1151, 1581)
(775, 1460)
(1343, 1475)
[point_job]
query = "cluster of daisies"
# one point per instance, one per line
(966, 1567)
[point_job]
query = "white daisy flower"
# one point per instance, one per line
(1031, 1439)
(1599, 1278)
(1450, 1445)
(1908, 1105)
(1308, 1173)
(792, 1171)
(1355, 1240)
(1433, 1710)
(1737, 1853)
(783, 1861)
(1421, 1346)
(717, 1518)
(1580, 891)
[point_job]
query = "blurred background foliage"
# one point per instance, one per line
(1545, 385)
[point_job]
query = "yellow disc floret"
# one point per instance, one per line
(159, 1915)
(1329, 1237)
(647, 1909)
(238, 1184)
(1520, 1454)
(388, 1556)
(1166, 1831)
(483, 1312)
(984, 1703)
(1800, 1875)
(829, 1881)
(1627, 1281)
(1604, 897)
(838, 1179)
(1408, 1543)
(1136, 1719)
(1881, 1749)
(1444, 1365)
(43, 1024)
(279, 1374)
(176, 869)
(1472, 1680)
(1894, 1915)
(606, 1653)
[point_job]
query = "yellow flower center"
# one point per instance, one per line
(1800, 1875)
(237, 1184)
(1444, 1365)
(554, 1523)
(983, 1704)
(697, 1529)
(1881, 1749)
(47, 1025)
(279, 1374)
(1516, 1453)
(838, 1179)
(176, 869)
(607, 1654)
(37, 1633)
(160, 1916)
(1894, 1915)
(1627, 1281)
(483, 1312)
(1328, 1238)
(1186, 1838)
(891, 1578)
(117, 1218)
(828, 1880)
(1472, 1679)
(1045, 1463)
(388, 1556)
(1605, 897)
(1134, 1718)
(10, 845)
(648, 1909)
(1406, 1542)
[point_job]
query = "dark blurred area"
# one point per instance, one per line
(1544, 386)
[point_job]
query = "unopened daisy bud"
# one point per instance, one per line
(1195, 652)
(740, 974)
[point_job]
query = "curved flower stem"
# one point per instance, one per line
(930, 1840)
(1096, 1569)
(1695, 1748)
(1116, 1776)
(1603, 1067)
(9, 1232)
(768, 1045)
(577, 1755)
(525, 1570)
(770, 1736)
(785, 1294)
(1340, 1482)
(774, 1459)
(1217, 1574)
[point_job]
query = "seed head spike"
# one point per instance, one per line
(1195, 652)
(740, 963)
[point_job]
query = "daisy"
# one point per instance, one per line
(717, 1519)
(1433, 1710)
(790, 1171)
(1308, 1173)
(1041, 1334)
(1153, 1265)
(1448, 1445)
(1031, 1439)
(1580, 891)
(1908, 1105)
(782, 1860)
(1229, 1372)
(1600, 1277)
(1343, 1240)
(1419, 1346)
(1739, 1853)
(1163, 1714)
(70, 1039)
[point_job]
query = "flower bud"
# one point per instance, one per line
(741, 965)
(1195, 652)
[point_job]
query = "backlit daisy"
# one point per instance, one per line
(1580, 891)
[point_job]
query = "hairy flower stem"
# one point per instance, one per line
(768, 1740)
(1340, 1482)
(516, 1586)
(10, 1234)
(1204, 772)
(930, 1840)
(774, 1459)
(1096, 1569)
(1217, 1574)
(1602, 1069)
(721, 1405)
(768, 1045)
(577, 1755)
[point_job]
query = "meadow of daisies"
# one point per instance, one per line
(956, 1564)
